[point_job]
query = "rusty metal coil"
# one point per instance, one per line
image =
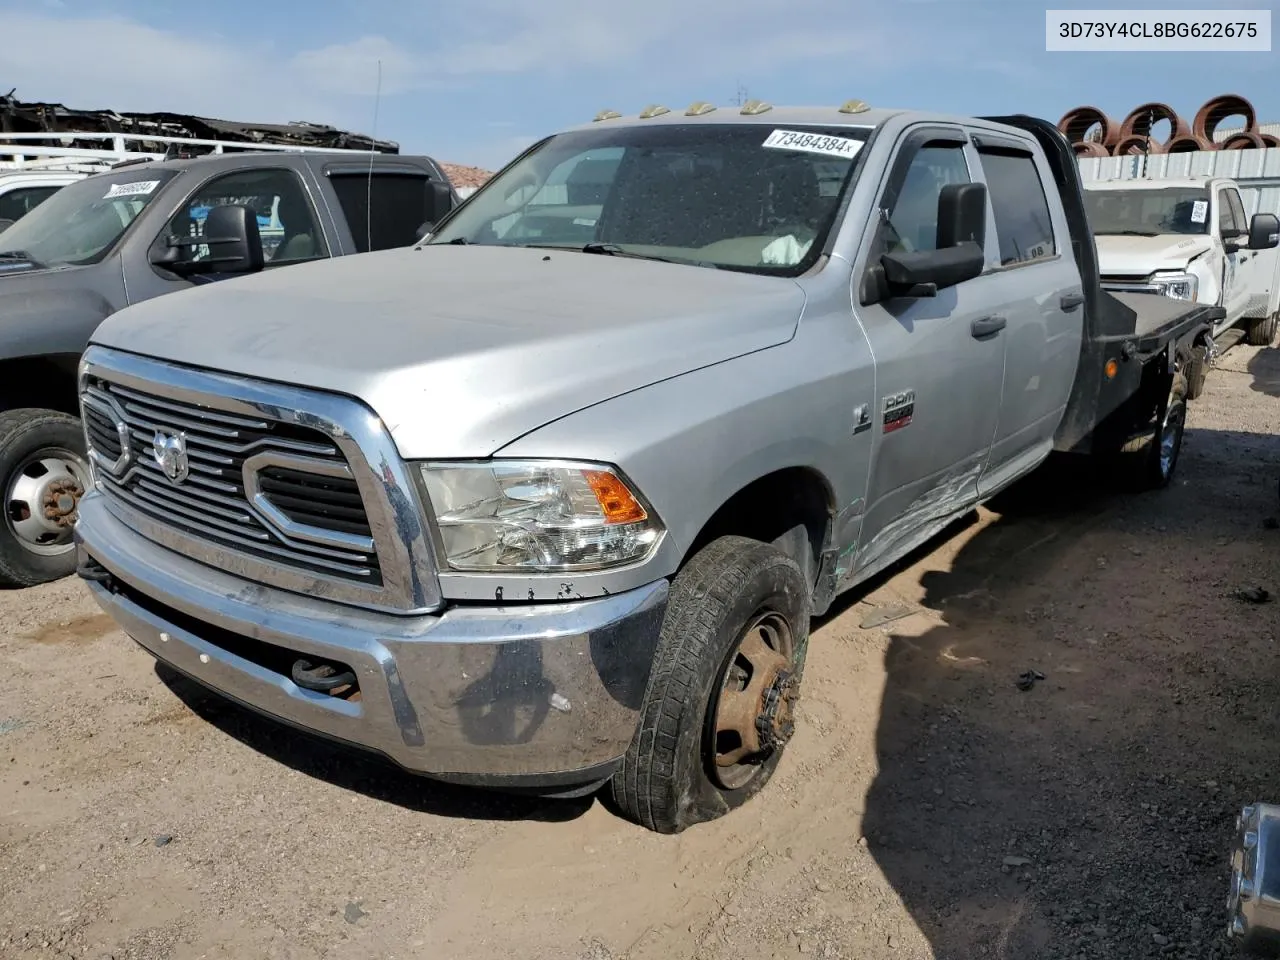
(1190, 144)
(1075, 124)
(1137, 146)
(1142, 118)
(1217, 109)
(1088, 148)
(1244, 141)
(1270, 139)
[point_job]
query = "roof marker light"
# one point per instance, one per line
(607, 115)
(855, 106)
(754, 108)
(653, 110)
(699, 108)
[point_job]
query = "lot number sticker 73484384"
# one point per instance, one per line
(813, 143)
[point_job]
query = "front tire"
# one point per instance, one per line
(719, 707)
(44, 470)
(1260, 333)
(1197, 371)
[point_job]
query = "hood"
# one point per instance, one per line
(1123, 256)
(461, 350)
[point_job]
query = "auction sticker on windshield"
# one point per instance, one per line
(1199, 211)
(813, 143)
(138, 188)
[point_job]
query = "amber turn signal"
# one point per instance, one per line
(617, 503)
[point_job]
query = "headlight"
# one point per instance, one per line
(530, 515)
(1180, 286)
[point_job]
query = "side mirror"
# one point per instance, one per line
(962, 231)
(230, 233)
(925, 272)
(439, 200)
(1264, 231)
(423, 231)
(962, 214)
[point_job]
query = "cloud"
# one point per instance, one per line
(352, 68)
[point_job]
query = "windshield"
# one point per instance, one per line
(1148, 213)
(738, 196)
(82, 222)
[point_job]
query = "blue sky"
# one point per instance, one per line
(475, 82)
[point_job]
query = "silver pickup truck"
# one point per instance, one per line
(547, 501)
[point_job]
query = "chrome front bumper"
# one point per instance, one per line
(539, 695)
(1253, 902)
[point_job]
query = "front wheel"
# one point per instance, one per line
(1197, 371)
(720, 704)
(44, 471)
(1261, 332)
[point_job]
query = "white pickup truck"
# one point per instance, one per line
(1186, 238)
(21, 191)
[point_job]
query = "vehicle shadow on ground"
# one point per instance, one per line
(1089, 815)
(1264, 366)
(358, 771)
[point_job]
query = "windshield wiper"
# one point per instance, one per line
(613, 250)
(19, 255)
(1126, 233)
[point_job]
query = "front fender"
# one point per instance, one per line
(691, 443)
(40, 321)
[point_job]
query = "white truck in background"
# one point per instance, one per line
(1180, 225)
(21, 191)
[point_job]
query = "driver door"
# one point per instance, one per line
(1236, 268)
(288, 225)
(939, 361)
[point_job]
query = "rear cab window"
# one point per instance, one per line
(385, 210)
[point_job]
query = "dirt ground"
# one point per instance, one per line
(928, 807)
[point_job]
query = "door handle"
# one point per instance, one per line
(987, 326)
(1070, 301)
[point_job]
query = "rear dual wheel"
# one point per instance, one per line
(720, 705)
(1149, 462)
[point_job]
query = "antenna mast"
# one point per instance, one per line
(373, 149)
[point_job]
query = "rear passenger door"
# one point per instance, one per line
(1034, 275)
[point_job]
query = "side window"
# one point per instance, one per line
(286, 219)
(385, 210)
(909, 211)
(18, 203)
(1024, 225)
(1237, 211)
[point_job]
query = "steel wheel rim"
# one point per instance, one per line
(751, 716)
(1169, 437)
(41, 499)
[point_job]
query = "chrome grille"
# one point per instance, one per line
(277, 491)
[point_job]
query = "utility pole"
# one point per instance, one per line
(741, 96)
